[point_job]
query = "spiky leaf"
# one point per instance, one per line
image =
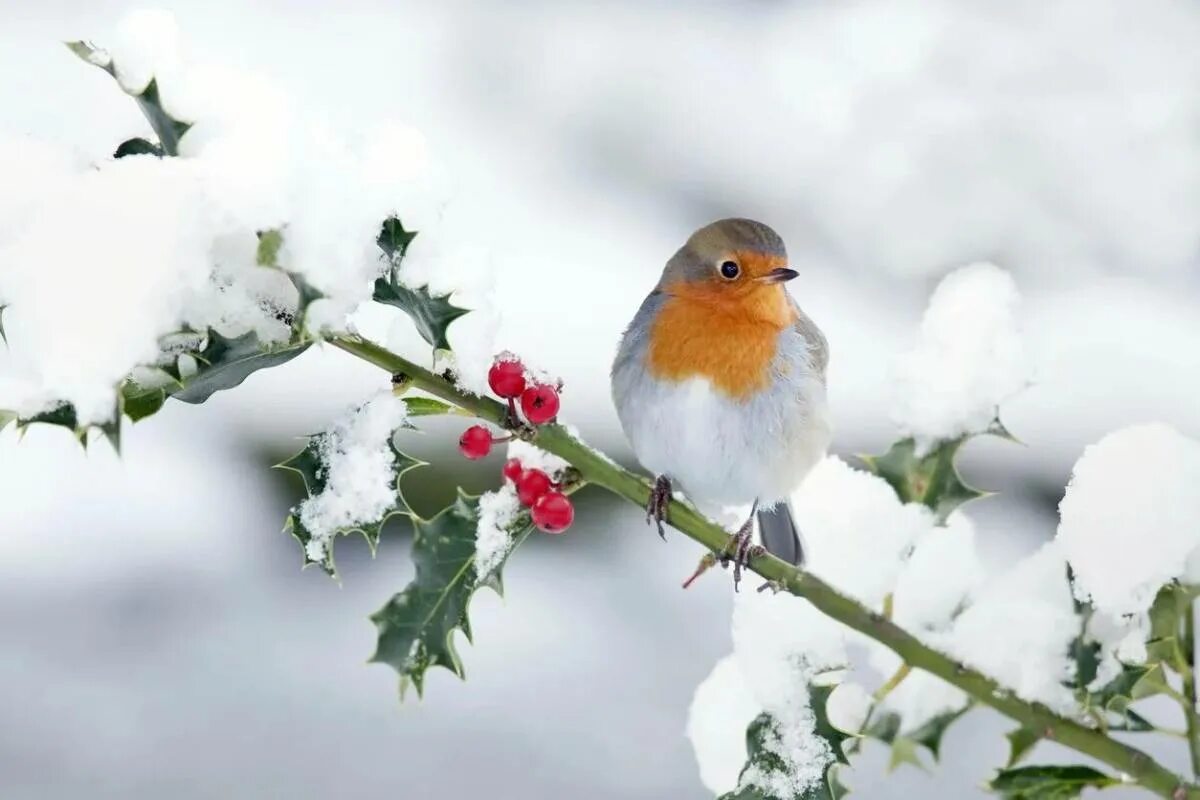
(64, 415)
(1020, 742)
(393, 240)
(417, 626)
(931, 479)
(168, 129)
(432, 314)
(224, 363)
(309, 465)
(763, 731)
(886, 728)
(1048, 782)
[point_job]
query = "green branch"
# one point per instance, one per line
(598, 469)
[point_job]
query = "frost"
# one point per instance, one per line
(359, 470)
(968, 359)
(498, 510)
(1130, 519)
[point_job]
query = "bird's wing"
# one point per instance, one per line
(818, 345)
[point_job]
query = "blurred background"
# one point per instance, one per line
(157, 637)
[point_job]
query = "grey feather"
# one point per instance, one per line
(781, 537)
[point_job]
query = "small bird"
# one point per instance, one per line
(719, 383)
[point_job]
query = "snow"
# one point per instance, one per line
(938, 577)
(167, 243)
(498, 511)
(1130, 518)
(534, 457)
(359, 470)
(857, 532)
(968, 359)
(1019, 628)
(147, 45)
(722, 708)
(848, 707)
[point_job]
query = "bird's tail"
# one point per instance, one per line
(779, 533)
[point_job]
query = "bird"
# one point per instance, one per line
(719, 385)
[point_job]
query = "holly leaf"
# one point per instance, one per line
(1048, 782)
(1020, 742)
(224, 363)
(309, 465)
(393, 240)
(168, 129)
(64, 415)
(137, 147)
(432, 314)
(931, 479)
(904, 746)
(762, 759)
(417, 626)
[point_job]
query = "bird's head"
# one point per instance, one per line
(734, 265)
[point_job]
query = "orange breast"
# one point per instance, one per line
(729, 341)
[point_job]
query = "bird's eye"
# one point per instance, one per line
(729, 270)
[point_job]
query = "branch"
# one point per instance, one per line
(596, 468)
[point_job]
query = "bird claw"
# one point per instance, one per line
(741, 550)
(660, 500)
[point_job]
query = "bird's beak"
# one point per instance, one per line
(778, 276)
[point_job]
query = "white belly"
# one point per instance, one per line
(721, 450)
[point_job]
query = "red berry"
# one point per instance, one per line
(476, 442)
(553, 512)
(539, 403)
(507, 377)
(532, 484)
(512, 469)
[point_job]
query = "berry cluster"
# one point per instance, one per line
(550, 509)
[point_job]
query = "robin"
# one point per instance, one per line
(719, 383)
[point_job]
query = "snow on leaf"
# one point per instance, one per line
(314, 465)
(168, 129)
(1048, 782)
(431, 314)
(267, 256)
(417, 626)
(763, 739)
(931, 479)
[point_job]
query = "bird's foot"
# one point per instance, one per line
(741, 550)
(656, 506)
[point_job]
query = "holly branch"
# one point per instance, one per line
(598, 469)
